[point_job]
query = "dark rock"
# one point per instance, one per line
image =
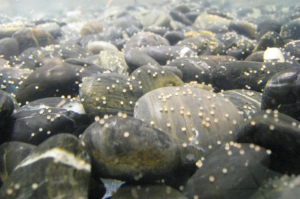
(63, 171)
(277, 132)
(178, 16)
(293, 48)
(135, 58)
(243, 28)
(242, 47)
(192, 116)
(268, 25)
(109, 94)
(233, 171)
(174, 36)
(198, 44)
(248, 102)
(218, 28)
(174, 70)
(65, 51)
(145, 39)
(257, 56)
(182, 8)
(50, 81)
(32, 37)
(7, 106)
(268, 40)
(245, 75)
(9, 48)
(152, 77)
(194, 69)
(163, 54)
(96, 188)
(11, 154)
(282, 93)
(41, 119)
(11, 78)
(132, 30)
(291, 30)
(218, 58)
(129, 149)
(192, 16)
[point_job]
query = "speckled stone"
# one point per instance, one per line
(63, 171)
(109, 94)
(245, 75)
(41, 119)
(128, 149)
(281, 93)
(52, 80)
(9, 47)
(194, 69)
(233, 171)
(163, 54)
(114, 61)
(192, 116)
(12, 77)
(291, 30)
(11, 154)
(146, 39)
(277, 132)
(152, 77)
(248, 102)
(268, 40)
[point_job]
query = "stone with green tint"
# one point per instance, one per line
(57, 168)
(153, 77)
(109, 94)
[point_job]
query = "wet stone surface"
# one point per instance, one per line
(128, 149)
(43, 118)
(64, 168)
(192, 116)
(11, 154)
(277, 132)
(233, 171)
(109, 94)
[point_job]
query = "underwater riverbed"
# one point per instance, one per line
(164, 99)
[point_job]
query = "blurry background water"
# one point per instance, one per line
(45, 8)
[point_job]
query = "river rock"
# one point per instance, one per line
(11, 154)
(281, 93)
(128, 149)
(64, 170)
(277, 132)
(109, 94)
(152, 77)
